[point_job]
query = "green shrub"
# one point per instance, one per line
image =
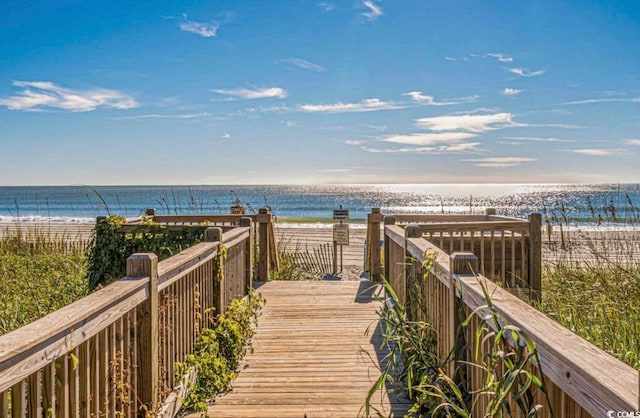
(219, 350)
(110, 247)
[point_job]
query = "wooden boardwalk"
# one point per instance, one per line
(311, 357)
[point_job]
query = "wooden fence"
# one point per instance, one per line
(581, 380)
(113, 352)
(509, 249)
(263, 245)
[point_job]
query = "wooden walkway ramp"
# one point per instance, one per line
(311, 357)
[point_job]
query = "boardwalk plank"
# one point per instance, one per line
(311, 356)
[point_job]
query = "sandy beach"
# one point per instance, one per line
(573, 245)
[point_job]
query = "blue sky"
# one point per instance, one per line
(361, 91)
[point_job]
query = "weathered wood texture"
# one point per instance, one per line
(311, 356)
(508, 249)
(113, 352)
(581, 379)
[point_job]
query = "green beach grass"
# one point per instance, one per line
(37, 277)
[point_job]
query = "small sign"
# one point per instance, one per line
(341, 214)
(341, 234)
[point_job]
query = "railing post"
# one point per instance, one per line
(388, 220)
(459, 264)
(489, 211)
(535, 256)
(374, 219)
(405, 294)
(146, 265)
(264, 267)
(214, 234)
(248, 256)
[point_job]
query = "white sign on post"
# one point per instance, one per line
(341, 234)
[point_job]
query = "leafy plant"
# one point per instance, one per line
(110, 246)
(219, 350)
(504, 364)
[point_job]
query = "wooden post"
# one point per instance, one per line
(489, 211)
(404, 292)
(388, 220)
(214, 234)
(150, 212)
(374, 219)
(535, 256)
(460, 263)
(264, 267)
(146, 265)
(248, 256)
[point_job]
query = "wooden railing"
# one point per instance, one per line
(509, 249)
(113, 352)
(263, 246)
(581, 380)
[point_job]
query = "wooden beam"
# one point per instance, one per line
(264, 264)
(374, 219)
(146, 265)
(535, 256)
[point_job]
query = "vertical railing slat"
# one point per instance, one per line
(35, 394)
(4, 404)
(18, 399)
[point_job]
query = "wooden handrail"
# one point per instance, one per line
(475, 226)
(189, 219)
(595, 380)
(28, 349)
(140, 325)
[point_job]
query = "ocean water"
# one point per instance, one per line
(579, 204)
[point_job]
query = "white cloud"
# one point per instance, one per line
(226, 135)
(500, 57)
(523, 72)
(165, 116)
(354, 142)
(249, 94)
(441, 149)
(603, 100)
(471, 123)
(634, 142)
(367, 105)
(418, 97)
(44, 94)
(304, 64)
(335, 170)
(597, 152)
(373, 12)
(206, 30)
(289, 123)
(450, 59)
(380, 128)
(500, 162)
(326, 6)
(536, 139)
(508, 91)
(428, 138)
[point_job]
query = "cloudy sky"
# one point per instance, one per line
(355, 91)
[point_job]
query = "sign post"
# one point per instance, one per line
(340, 236)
